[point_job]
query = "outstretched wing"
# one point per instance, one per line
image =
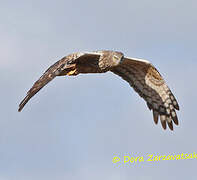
(149, 84)
(65, 66)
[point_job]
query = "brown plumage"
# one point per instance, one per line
(140, 74)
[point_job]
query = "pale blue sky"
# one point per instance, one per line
(73, 127)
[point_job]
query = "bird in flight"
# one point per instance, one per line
(139, 73)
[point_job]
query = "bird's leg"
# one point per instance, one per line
(72, 72)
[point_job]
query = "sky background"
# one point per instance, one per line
(75, 125)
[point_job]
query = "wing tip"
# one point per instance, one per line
(170, 125)
(166, 120)
(23, 103)
(177, 107)
(155, 116)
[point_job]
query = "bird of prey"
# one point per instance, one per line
(139, 73)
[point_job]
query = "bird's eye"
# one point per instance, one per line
(116, 57)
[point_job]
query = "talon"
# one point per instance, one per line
(72, 72)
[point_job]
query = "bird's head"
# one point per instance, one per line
(110, 59)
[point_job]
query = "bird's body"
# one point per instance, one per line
(140, 74)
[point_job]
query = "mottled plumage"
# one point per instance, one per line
(140, 74)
